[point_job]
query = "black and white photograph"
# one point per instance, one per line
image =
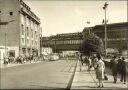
(64, 44)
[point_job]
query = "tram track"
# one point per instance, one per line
(63, 70)
(92, 77)
(68, 67)
(72, 77)
(71, 66)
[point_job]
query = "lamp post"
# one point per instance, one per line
(88, 22)
(5, 23)
(127, 31)
(105, 26)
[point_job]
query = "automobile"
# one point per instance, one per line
(54, 57)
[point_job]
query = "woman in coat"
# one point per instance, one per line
(100, 71)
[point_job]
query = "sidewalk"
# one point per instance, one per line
(87, 80)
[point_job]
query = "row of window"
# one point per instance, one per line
(28, 33)
(113, 34)
(28, 22)
(69, 42)
(63, 42)
(28, 42)
(10, 13)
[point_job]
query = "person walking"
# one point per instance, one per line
(89, 63)
(119, 66)
(81, 59)
(114, 68)
(100, 71)
(123, 70)
(6, 61)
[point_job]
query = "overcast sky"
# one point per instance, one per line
(72, 16)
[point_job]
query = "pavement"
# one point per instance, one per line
(85, 79)
(43, 75)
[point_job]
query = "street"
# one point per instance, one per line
(60, 74)
(46, 75)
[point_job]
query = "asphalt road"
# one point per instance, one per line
(43, 75)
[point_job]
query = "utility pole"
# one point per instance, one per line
(105, 26)
(127, 30)
(5, 43)
(88, 22)
(5, 23)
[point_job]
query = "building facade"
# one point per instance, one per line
(117, 35)
(21, 35)
(63, 42)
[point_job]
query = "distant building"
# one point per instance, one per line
(63, 42)
(117, 35)
(22, 35)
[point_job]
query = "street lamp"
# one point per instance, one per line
(5, 23)
(105, 26)
(88, 22)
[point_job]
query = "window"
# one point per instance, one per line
(22, 29)
(35, 35)
(27, 32)
(27, 41)
(35, 43)
(22, 39)
(11, 13)
(32, 42)
(32, 33)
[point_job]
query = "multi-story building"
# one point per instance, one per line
(117, 35)
(21, 34)
(63, 42)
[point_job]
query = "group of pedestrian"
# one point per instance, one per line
(19, 59)
(98, 64)
(118, 66)
(87, 60)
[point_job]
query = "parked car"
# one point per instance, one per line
(54, 57)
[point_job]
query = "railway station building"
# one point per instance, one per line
(117, 35)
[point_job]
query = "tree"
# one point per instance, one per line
(92, 43)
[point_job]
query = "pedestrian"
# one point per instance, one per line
(119, 66)
(89, 64)
(81, 59)
(86, 60)
(100, 67)
(114, 68)
(123, 70)
(6, 61)
(95, 63)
